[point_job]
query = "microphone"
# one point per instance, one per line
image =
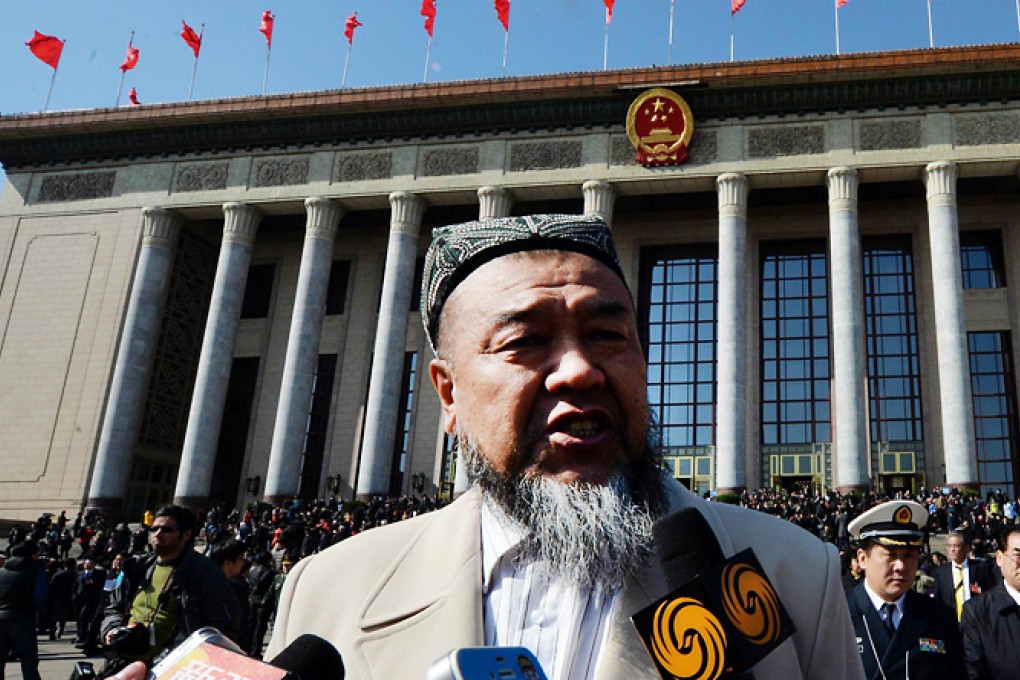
(208, 655)
(721, 617)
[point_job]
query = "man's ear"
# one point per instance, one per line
(441, 374)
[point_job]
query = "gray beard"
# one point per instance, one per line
(580, 534)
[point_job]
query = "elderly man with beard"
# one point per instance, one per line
(541, 377)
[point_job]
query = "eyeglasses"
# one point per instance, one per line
(166, 529)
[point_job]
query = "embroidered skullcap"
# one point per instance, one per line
(892, 524)
(459, 249)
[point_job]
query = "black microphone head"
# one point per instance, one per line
(686, 545)
(310, 657)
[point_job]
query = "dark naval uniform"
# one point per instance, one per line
(926, 644)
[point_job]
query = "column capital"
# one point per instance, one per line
(240, 223)
(843, 182)
(732, 189)
(599, 197)
(324, 217)
(494, 202)
(940, 182)
(160, 228)
(407, 210)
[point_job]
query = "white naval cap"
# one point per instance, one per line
(892, 524)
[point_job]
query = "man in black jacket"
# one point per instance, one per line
(991, 623)
(900, 633)
(168, 596)
(962, 577)
(22, 593)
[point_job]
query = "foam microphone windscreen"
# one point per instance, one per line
(686, 545)
(310, 657)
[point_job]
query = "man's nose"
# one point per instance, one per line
(574, 369)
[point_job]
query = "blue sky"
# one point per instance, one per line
(546, 36)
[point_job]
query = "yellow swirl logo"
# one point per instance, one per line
(750, 603)
(903, 515)
(688, 641)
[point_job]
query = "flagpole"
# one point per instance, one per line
(671, 2)
(52, 80)
(931, 35)
(194, 71)
(605, 49)
(265, 76)
(123, 72)
(506, 46)
(1018, 15)
(347, 62)
(836, 3)
(428, 58)
(732, 22)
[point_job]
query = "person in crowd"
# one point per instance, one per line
(23, 589)
(262, 602)
(231, 557)
(542, 381)
(167, 596)
(900, 633)
(991, 623)
(963, 576)
(61, 596)
(88, 602)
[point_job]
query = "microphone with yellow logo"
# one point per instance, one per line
(722, 616)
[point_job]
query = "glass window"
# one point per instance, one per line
(679, 312)
(401, 448)
(336, 290)
(995, 409)
(795, 344)
(258, 291)
(894, 387)
(982, 260)
(317, 426)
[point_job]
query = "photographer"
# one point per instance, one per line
(166, 597)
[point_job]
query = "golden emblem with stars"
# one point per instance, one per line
(660, 126)
(903, 515)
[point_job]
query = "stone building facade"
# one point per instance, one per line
(217, 300)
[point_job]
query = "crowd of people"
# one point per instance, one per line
(255, 547)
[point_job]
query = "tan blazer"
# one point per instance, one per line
(396, 598)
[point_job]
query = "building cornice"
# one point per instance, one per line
(807, 85)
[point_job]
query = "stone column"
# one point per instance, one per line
(849, 401)
(391, 334)
(160, 230)
(957, 406)
(284, 473)
(494, 202)
(599, 197)
(194, 479)
(731, 379)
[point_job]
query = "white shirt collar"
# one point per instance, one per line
(500, 536)
(1013, 592)
(877, 601)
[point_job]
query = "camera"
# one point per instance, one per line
(132, 640)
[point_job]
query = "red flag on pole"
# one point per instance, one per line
(133, 97)
(428, 10)
(503, 13)
(131, 60)
(609, 10)
(193, 39)
(840, 3)
(47, 48)
(266, 28)
(351, 24)
(735, 5)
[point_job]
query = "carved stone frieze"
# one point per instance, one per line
(992, 128)
(621, 151)
(358, 167)
(455, 161)
(786, 140)
(545, 155)
(77, 186)
(879, 135)
(278, 172)
(201, 177)
(704, 147)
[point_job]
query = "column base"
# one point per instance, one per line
(109, 507)
(197, 504)
(277, 501)
(367, 497)
(853, 488)
(731, 489)
(964, 486)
